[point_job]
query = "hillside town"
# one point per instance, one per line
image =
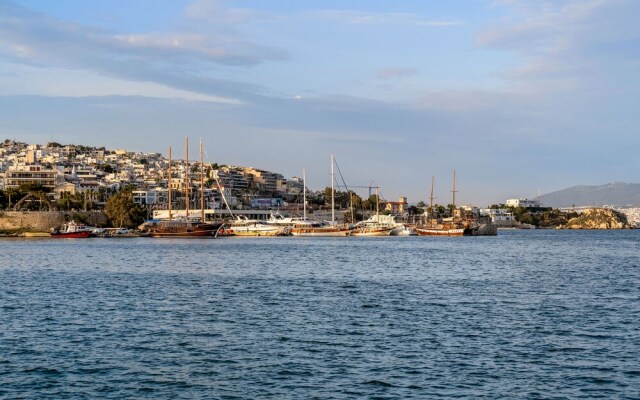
(95, 173)
(81, 177)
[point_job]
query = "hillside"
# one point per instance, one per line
(617, 193)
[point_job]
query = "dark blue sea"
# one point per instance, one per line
(525, 315)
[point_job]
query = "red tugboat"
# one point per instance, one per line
(72, 230)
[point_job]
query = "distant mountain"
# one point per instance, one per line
(617, 193)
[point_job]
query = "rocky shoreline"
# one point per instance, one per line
(598, 218)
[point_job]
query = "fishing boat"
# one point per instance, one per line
(447, 226)
(72, 230)
(184, 227)
(316, 229)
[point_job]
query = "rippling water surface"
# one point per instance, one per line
(526, 314)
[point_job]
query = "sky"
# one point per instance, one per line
(519, 97)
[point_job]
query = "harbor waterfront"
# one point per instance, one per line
(525, 314)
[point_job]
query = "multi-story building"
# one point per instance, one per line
(523, 202)
(500, 216)
(231, 177)
(31, 174)
(263, 180)
(396, 207)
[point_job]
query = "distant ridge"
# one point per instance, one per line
(616, 193)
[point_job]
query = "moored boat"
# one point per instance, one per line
(247, 227)
(373, 226)
(320, 230)
(439, 230)
(446, 227)
(182, 229)
(307, 227)
(185, 227)
(72, 230)
(372, 231)
(36, 234)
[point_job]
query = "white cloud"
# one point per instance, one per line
(565, 40)
(183, 61)
(214, 11)
(364, 18)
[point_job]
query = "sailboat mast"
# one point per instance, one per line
(377, 203)
(454, 193)
(431, 200)
(333, 203)
(201, 183)
(169, 185)
(186, 178)
(304, 195)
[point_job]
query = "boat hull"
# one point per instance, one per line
(36, 234)
(250, 233)
(440, 232)
(173, 230)
(372, 232)
(321, 232)
(70, 235)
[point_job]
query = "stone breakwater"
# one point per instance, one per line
(44, 221)
(598, 218)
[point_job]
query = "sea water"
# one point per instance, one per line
(525, 314)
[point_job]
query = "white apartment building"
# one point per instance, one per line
(523, 202)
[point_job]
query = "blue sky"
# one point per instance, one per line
(517, 96)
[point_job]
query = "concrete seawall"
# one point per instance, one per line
(44, 221)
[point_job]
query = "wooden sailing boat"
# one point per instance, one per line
(185, 227)
(373, 228)
(311, 228)
(447, 227)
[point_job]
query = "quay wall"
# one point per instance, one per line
(44, 221)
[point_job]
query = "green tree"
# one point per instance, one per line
(13, 196)
(370, 203)
(413, 210)
(123, 212)
(70, 201)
